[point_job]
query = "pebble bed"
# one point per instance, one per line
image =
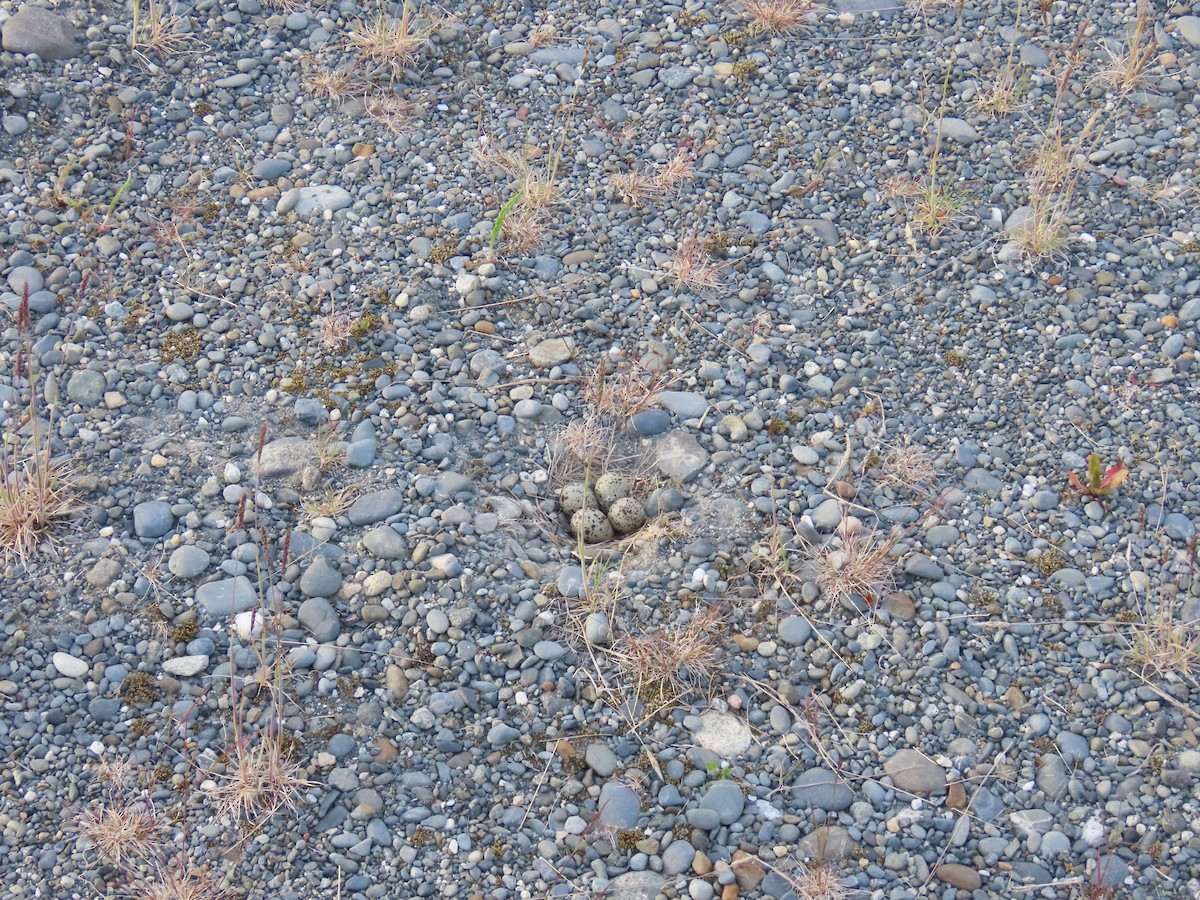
(248, 298)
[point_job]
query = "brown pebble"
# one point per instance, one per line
(485, 327)
(747, 643)
(387, 750)
(962, 877)
(729, 892)
(362, 151)
(702, 865)
(263, 193)
(956, 796)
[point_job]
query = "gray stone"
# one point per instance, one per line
(36, 30)
(283, 456)
(1187, 27)
(678, 857)
(723, 733)
(726, 799)
(794, 630)
(960, 130)
(152, 519)
(552, 352)
(267, 169)
(822, 788)
(922, 566)
(685, 404)
(596, 629)
(186, 666)
(1026, 822)
(941, 536)
(320, 618)
(372, 508)
(227, 596)
(1190, 311)
(914, 773)
(1179, 527)
(635, 886)
(680, 456)
(828, 514)
(502, 735)
(385, 543)
(320, 579)
(649, 422)
(188, 562)
(983, 482)
(829, 843)
(321, 197)
(25, 276)
(619, 806)
(549, 650)
(86, 387)
(310, 411)
(600, 759)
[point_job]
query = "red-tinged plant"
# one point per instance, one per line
(1100, 481)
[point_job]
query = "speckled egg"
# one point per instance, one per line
(626, 515)
(575, 497)
(592, 526)
(611, 487)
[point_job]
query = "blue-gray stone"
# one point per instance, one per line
(502, 735)
(822, 788)
(86, 387)
(685, 404)
(153, 519)
(188, 562)
(678, 857)
(320, 579)
(794, 630)
(321, 197)
(376, 507)
(271, 168)
(724, 798)
(310, 411)
(619, 806)
(320, 618)
(650, 422)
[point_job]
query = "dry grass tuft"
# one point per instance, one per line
(264, 781)
(1000, 98)
(778, 17)
(178, 882)
(1165, 645)
(1126, 68)
(391, 111)
(860, 564)
(640, 187)
(691, 266)
(122, 832)
(393, 44)
(336, 85)
(155, 30)
(933, 204)
(811, 882)
(909, 466)
(37, 493)
(624, 394)
(664, 666)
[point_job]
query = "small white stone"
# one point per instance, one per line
(70, 666)
(232, 474)
(185, 666)
(248, 624)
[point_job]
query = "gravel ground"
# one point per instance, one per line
(326, 335)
